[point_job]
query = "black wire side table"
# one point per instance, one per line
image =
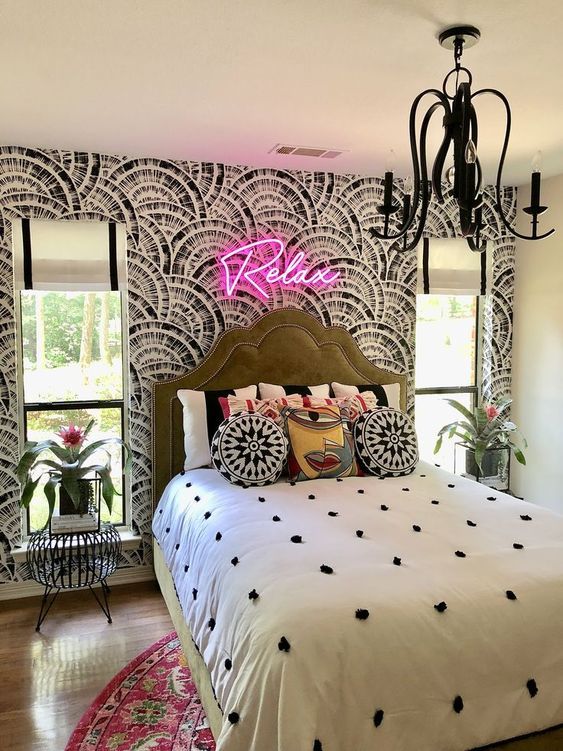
(73, 560)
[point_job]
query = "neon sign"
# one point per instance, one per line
(245, 266)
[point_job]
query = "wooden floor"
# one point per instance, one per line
(48, 680)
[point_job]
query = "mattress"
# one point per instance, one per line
(423, 612)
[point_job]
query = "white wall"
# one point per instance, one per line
(537, 364)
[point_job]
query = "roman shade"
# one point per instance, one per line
(69, 255)
(450, 267)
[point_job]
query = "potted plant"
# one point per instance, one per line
(485, 432)
(69, 469)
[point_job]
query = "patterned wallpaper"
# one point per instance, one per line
(178, 216)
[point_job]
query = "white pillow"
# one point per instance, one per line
(392, 392)
(196, 438)
(272, 391)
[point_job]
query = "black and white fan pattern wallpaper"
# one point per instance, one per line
(179, 216)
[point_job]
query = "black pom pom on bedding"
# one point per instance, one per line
(194, 593)
(397, 561)
(218, 536)
(525, 517)
(451, 485)
(327, 569)
(177, 546)
(457, 704)
(253, 595)
(359, 533)
(378, 717)
(362, 614)
(510, 595)
(211, 623)
(188, 485)
(317, 745)
(532, 687)
(384, 507)
(435, 503)
(460, 554)
(276, 518)
(361, 491)
(296, 538)
(186, 567)
(197, 499)
(470, 523)
(228, 664)
(441, 607)
(491, 497)
(311, 497)
(333, 513)
(284, 645)
(207, 515)
(517, 546)
(416, 528)
(233, 717)
(261, 499)
(234, 561)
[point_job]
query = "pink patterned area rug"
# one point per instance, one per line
(151, 704)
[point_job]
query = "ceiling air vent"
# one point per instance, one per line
(314, 151)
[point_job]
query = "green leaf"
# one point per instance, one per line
(108, 490)
(49, 491)
(89, 427)
(30, 455)
(519, 455)
(464, 411)
(438, 445)
(69, 481)
(28, 491)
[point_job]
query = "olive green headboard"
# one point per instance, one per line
(285, 346)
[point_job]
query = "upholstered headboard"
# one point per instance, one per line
(285, 346)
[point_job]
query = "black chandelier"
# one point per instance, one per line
(465, 176)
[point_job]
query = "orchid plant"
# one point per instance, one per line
(68, 466)
(484, 428)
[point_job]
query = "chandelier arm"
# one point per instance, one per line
(498, 206)
(439, 162)
(424, 179)
(416, 163)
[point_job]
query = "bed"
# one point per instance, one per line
(418, 612)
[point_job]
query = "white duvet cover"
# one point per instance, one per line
(297, 670)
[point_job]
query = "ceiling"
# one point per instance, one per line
(226, 80)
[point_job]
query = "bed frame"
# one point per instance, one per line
(284, 346)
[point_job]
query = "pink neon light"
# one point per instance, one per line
(258, 273)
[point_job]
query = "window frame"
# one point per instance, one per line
(122, 404)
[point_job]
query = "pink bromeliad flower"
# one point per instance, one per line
(72, 437)
(491, 412)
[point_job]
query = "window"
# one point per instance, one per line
(447, 366)
(73, 370)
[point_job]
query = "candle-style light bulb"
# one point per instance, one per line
(537, 162)
(470, 153)
(450, 175)
(390, 161)
(408, 185)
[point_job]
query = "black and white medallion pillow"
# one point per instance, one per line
(249, 449)
(385, 441)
